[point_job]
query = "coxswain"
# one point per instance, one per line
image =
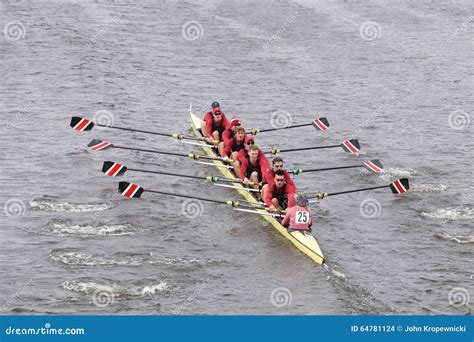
(279, 196)
(228, 134)
(214, 124)
(253, 168)
(277, 164)
(299, 216)
(233, 146)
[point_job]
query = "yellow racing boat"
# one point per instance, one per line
(303, 240)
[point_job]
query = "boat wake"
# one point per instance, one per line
(397, 172)
(457, 213)
(106, 287)
(455, 238)
(49, 204)
(66, 228)
(428, 187)
(75, 257)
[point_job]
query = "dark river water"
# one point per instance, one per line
(397, 75)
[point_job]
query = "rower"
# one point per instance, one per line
(243, 154)
(253, 167)
(277, 164)
(234, 145)
(299, 216)
(214, 123)
(228, 134)
(279, 196)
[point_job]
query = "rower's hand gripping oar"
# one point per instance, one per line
(321, 124)
(85, 125)
(112, 169)
(131, 190)
(350, 146)
(398, 186)
(98, 145)
(373, 165)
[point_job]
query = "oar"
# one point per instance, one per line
(373, 165)
(84, 125)
(321, 124)
(398, 186)
(131, 190)
(98, 145)
(113, 169)
(350, 146)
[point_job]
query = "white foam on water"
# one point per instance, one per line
(455, 238)
(428, 188)
(51, 205)
(67, 229)
(458, 213)
(397, 172)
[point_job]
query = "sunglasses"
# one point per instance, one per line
(278, 166)
(250, 142)
(279, 180)
(217, 114)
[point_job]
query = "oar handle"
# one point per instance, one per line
(135, 130)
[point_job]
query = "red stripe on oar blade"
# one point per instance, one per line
(399, 186)
(373, 167)
(131, 190)
(320, 125)
(101, 146)
(350, 147)
(82, 125)
(114, 170)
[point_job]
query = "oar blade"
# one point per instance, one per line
(351, 146)
(112, 169)
(374, 165)
(81, 124)
(321, 124)
(98, 145)
(400, 186)
(130, 190)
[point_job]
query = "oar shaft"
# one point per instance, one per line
(357, 190)
(277, 129)
(186, 196)
(303, 149)
(167, 174)
(333, 168)
(135, 130)
(151, 151)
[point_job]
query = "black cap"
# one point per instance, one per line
(215, 104)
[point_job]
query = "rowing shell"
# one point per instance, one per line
(303, 240)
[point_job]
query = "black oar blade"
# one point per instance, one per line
(81, 124)
(374, 165)
(130, 190)
(97, 145)
(322, 124)
(351, 146)
(112, 169)
(400, 186)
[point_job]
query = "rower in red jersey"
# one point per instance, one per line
(279, 196)
(234, 145)
(214, 124)
(253, 168)
(277, 164)
(228, 134)
(243, 154)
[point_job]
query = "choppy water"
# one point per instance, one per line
(403, 86)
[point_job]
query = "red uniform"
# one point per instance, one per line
(233, 145)
(212, 125)
(270, 176)
(227, 135)
(284, 196)
(243, 154)
(247, 168)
